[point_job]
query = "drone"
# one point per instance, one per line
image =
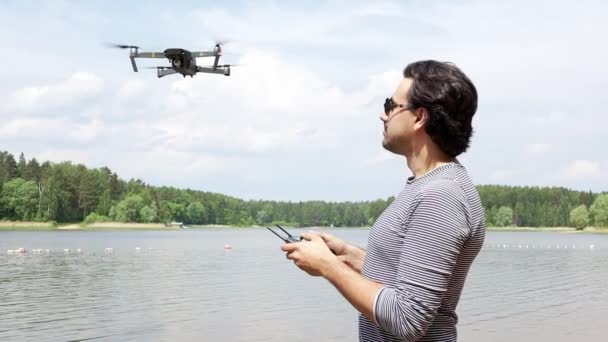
(182, 61)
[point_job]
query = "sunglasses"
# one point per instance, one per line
(389, 105)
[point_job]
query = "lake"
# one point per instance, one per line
(184, 286)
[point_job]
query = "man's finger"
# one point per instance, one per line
(292, 255)
(311, 236)
(326, 237)
(289, 247)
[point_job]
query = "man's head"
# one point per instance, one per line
(435, 101)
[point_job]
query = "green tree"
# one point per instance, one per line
(177, 212)
(88, 191)
(147, 214)
(579, 217)
(11, 167)
(195, 212)
(19, 198)
(504, 217)
(599, 211)
(32, 171)
(261, 217)
(21, 166)
(128, 210)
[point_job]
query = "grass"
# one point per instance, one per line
(27, 226)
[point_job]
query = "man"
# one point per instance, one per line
(408, 281)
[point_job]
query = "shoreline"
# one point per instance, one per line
(125, 226)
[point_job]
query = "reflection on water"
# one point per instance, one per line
(183, 285)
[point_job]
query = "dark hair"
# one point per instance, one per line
(450, 98)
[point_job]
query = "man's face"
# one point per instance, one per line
(399, 122)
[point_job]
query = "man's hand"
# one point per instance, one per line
(312, 255)
(351, 255)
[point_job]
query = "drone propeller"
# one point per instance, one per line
(121, 46)
(220, 42)
(158, 67)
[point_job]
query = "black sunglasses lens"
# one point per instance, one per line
(388, 106)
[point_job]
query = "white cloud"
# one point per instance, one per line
(79, 86)
(265, 105)
(53, 131)
(582, 170)
(382, 156)
(538, 148)
(131, 88)
(506, 175)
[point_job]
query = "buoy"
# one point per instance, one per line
(109, 250)
(66, 250)
(10, 251)
(591, 246)
(78, 250)
(227, 246)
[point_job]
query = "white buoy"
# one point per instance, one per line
(109, 250)
(66, 250)
(10, 251)
(591, 246)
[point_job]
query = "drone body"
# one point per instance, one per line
(182, 61)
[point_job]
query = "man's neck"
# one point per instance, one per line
(425, 159)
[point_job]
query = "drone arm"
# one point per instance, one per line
(133, 64)
(204, 53)
(222, 70)
(161, 72)
(149, 55)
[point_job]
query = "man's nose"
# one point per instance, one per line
(383, 117)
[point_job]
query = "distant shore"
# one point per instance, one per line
(45, 226)
(591, 230)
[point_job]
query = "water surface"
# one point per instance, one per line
(183, 285)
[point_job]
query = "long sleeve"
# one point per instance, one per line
(434, 239)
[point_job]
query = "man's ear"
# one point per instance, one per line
(422, 116)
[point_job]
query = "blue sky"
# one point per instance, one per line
(298, 120)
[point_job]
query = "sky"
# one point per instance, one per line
(298, 119)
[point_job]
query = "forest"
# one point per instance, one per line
(67, 193)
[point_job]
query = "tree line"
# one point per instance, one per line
(65, 192)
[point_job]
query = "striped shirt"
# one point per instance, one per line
(420, 249)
